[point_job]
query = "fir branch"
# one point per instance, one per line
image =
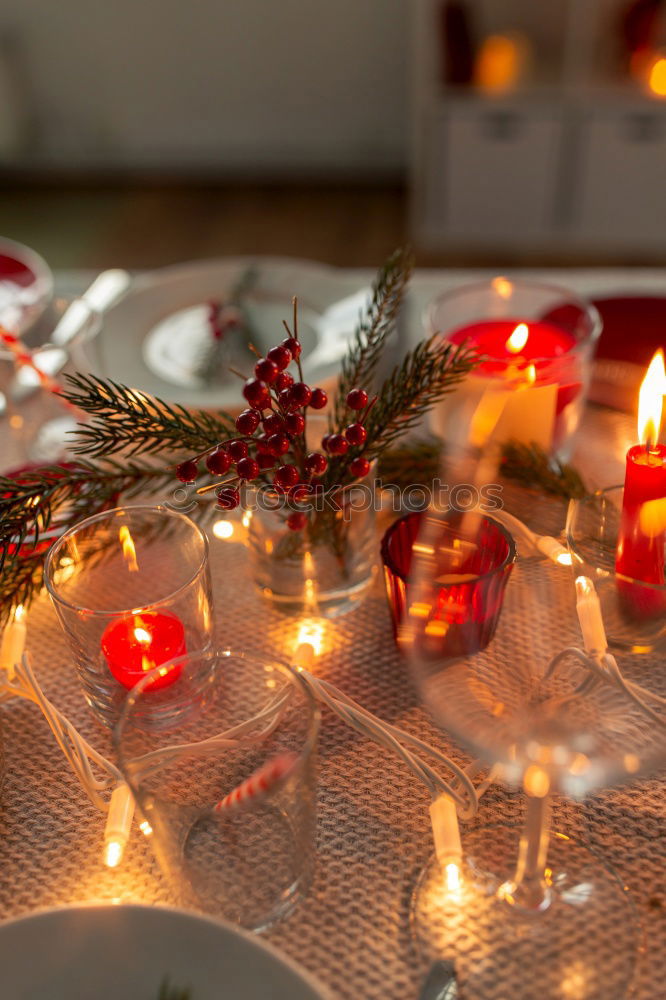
(532, 467)
(425, 376)
(360, 363)
(414, 463)
(125, 420)
(418, 462)
(56, 498)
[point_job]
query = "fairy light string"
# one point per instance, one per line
(452, 798)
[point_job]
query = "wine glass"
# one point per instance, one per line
(536, 924)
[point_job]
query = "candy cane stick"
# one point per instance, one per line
(23, 357)
(264, 780)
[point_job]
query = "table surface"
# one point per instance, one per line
(373, 827)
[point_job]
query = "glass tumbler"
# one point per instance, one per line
(228, 791)
(537, 342)
(469, 579)
(131, 587)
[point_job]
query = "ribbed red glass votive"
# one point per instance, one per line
(462, 612)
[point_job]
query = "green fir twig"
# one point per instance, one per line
(55, 498)
(532, 467)
(359, 366)
(125, 420)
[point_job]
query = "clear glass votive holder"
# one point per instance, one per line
(460, 604)
(634, 612)
(327, 566)
(530, 391)
(131, 587)
(228, 792)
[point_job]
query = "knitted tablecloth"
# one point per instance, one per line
(373, 826)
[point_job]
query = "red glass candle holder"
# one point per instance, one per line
(465, 591)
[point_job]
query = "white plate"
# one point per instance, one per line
(133, 345)
(124, 953)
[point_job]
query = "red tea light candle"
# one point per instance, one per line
(138, 643)
(640, 549)
(522, 387)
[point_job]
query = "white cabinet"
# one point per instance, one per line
(570, 157)
(494, 171)
(620, 197)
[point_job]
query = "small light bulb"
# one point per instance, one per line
(113, 853)
(452, 876)
(223, 529)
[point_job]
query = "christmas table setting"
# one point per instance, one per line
(228, 671)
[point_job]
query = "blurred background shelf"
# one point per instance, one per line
(539, 126)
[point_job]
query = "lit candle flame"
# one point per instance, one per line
(518, 339)
(650, 401)
(129, 549)
(143, 636)
(657, 77)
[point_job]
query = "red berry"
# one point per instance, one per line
(218, 462)
(273, 423)
(278, 444)
(357, 399)
(301, 492)
(247, 421)
(284, 381)
(356, 434)
(285, 400)
(336, 444)
(187, 471)
(316, 464)
(266, 370)
(297, 521)
(237, 450)
(295, 423)
(280, 355)
(228, 498)
(300, 394)
(256, 393)
(265, 461)
(359, 467)
(319, 399)
(261, 442)
(286, 477)
(247, 468)
(293, 346)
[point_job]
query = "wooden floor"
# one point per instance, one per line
(87, 224)
(150, 226)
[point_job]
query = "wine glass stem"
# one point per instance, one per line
(530, 888)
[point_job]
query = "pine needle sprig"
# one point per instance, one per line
(418, 461)
(125, 420)
(533, 468)
(364, 353)
(57, 498)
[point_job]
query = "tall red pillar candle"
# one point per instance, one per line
(640, 549)
(138, 643)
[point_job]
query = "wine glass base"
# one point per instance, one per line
(582, 946)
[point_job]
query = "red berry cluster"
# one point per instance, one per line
(272, 439)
